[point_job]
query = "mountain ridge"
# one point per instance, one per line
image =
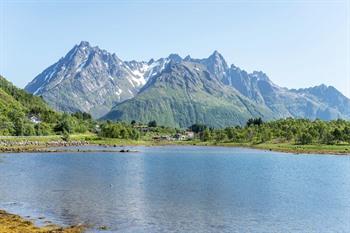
(97, 81)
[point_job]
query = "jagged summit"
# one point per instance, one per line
(187, 58)
(175, 57)
(83, 44)
(260, 76)
(216, 55)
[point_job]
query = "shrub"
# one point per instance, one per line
(152, 124)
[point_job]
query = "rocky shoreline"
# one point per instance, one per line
(39, 143)
(54, 146)
(11, 223)
(36, 146)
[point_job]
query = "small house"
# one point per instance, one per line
(35, 119)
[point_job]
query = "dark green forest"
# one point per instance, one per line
(22, 114)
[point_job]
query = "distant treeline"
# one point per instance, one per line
(297, 131)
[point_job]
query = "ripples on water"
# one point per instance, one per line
(181, 189)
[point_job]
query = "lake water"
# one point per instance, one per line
(181, 189)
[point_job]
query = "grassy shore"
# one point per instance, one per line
(42, 143)
(295, 149)
(343, 149)
(11, 223)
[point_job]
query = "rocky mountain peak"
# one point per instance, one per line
(322, 91)
(216, 65)
(84, 44)
(187, 58)
(175, 57)
(322, 87)
(260, 76)
(217, 58)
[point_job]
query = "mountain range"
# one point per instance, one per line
(176, 91)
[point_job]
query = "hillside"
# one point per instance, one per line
(19, 110)
(186, 93)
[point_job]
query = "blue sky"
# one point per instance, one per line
(297, 43)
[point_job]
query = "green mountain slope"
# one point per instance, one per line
(18, 110)
(186, 93)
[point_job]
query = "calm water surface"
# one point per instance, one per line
(181, 189)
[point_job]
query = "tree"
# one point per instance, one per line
(152, 124)
(220, 136)
(197, 128)
(304, 138)
(205, 135)
(42, 129)
(254, 121)
(266, 135)
(124, 133)
(87, 116)
(18, 119)
(135, 134)
(6, 126)
(18, 126)
(327, 138)
(346, 134)
(110, 130)
(231, 133)
(81, 126)
(337, 135)
(28, 129)
(63, 125)
(82, 115)
(65, 137)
